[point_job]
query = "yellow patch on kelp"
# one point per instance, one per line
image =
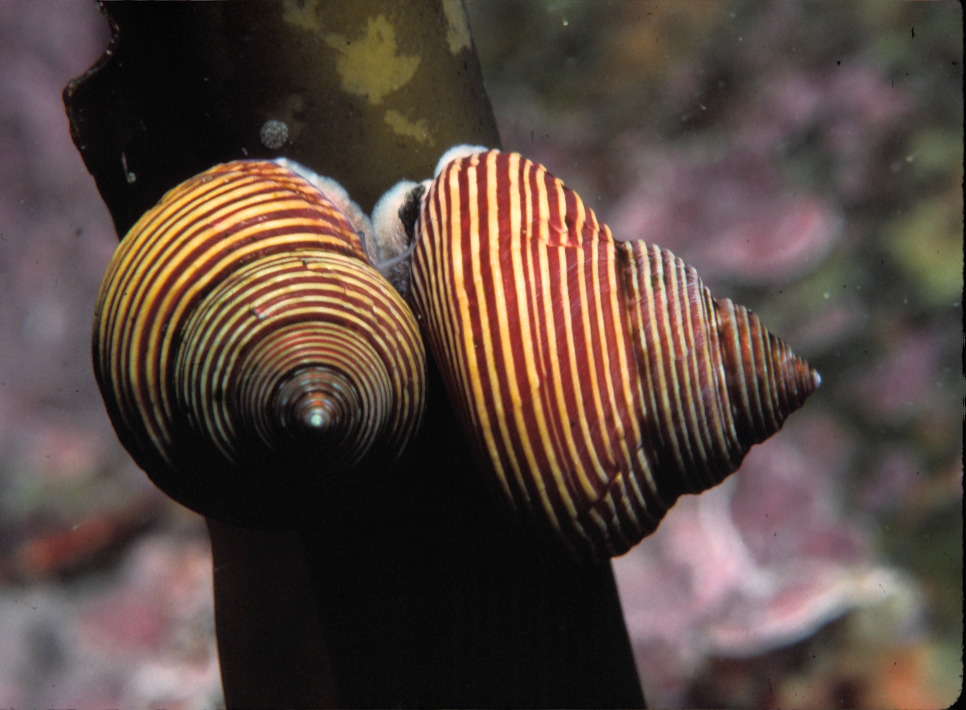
(402, 126)
(370, 64)
(458, 30)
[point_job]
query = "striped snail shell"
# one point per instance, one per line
(249, 356)
(598, 378)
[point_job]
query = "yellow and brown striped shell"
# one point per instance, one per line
(249, 356)
(598, 378)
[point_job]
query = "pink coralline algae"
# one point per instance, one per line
(761, 562)
(846, 112)
(141, 636)
(728, 216)
(897, 387)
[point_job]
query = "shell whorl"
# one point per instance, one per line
(247, 352)
(598, 378)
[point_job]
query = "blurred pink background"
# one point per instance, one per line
(806, 159)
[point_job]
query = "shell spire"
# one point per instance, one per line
(715, 380)
(598, 379)
(766, 380)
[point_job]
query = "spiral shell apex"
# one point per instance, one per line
(597, 378)
(249, 356)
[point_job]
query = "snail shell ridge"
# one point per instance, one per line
(598, 379)
(249, 356)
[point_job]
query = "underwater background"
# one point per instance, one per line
(806, 159)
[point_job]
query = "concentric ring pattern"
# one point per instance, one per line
(247, 353)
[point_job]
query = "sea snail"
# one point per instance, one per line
(249, 356)
(598, 378)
